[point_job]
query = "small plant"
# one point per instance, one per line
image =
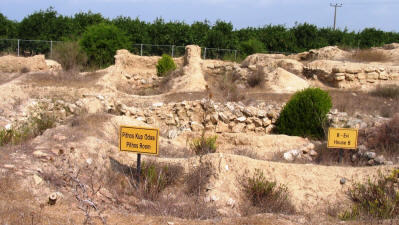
(165, 65)
(387, 91)
(230, 89)
(385, 138)
(69, 55)
(204, 145)
(305, 114)
(38, 121)
(376, 198)
(256, 79)
(25, 70)
(155, 178)
(267, 195)
(197, 179)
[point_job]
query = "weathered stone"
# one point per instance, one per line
(214, 118)
(250, 127)
(370, 155)
(269, 129)
(241, 119)
(222, 127)
(258, 122)
(223, 117)
(261, 113)
(361, 76)
(238, 128)
(379, 160)
(372, 76)
(196, 126)
(349, 77)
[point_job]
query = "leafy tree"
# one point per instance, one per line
(251, 46)
(165, 65)
(100, 43)
(7, 27)
(83, 20)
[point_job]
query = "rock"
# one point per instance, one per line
(231, 202)
(266, 122)
(8, 127)
(172, 133)
(196, 126)
(89, 161)
(258, 122)
(370, 162)
(342, 181)
(9, 166)
(238, 128)
(362, 148)
(370, 155)
(37, 180)
(241, 119)
(222, 127)
(158, 104)
(379, 160)
(52, 199)
(288, 156)
(214, 118)
(313, 153)
(223, 117)
(40, 154)
(261, 113)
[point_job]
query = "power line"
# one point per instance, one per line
(336, 5)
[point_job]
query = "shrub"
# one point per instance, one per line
(305, 114)
(25, 69)
(70, 55)
(165, 65)
(204, 145)
(252, 46)
(256, 79)
(155, 178)
(230, 89)
(387, 91)
(100, 43)
(266, 195)
(197, 179)
(376, 198)
(37, 123)
(385, 138)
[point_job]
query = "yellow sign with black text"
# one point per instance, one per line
(141, 140)
(345, 138)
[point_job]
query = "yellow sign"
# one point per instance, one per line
(139, 139)
(342, 138)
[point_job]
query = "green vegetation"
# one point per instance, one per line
(252, 46)
(49, 25)
(38, 121)
(204, 145)
(165, 65)
(100, 43)
(305, 114)
(69, 55)
(156, 177)
(266, 195)
(376, 198)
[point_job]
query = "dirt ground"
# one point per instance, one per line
(79, 153)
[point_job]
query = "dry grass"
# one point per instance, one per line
(229, 88)
(256, 80)
(385, 138)
(64, 79)
(354, 102)
(387, 91)
(370, 55)
(266, 196)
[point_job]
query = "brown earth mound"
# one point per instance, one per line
(10, 64)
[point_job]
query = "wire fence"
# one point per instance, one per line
(22, 47)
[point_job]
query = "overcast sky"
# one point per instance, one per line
(354, 15)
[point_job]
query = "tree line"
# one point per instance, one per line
(50, 25)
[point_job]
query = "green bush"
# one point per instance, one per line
(100, 43)
(204, 145)
(69, 55)
(267, 195)
(165, 65)
(252, 46)
(376, 198)
(305, 114)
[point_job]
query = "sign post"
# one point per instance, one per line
(140, 140)
(342, 138)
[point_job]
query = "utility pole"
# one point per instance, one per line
(335, 11)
